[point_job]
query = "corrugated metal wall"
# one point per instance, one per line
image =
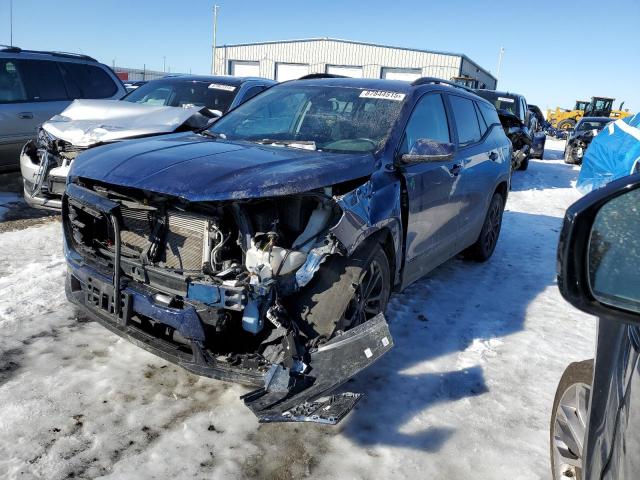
(320, 53)
(471, 69)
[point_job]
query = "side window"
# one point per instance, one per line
(252, 92)
(87, 81)
(11, 86)
(428, 121)
(489, 114)
(483, 124)
(43, 80)
(523, 110)
(466, 121)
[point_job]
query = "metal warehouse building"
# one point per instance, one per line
(286, 60)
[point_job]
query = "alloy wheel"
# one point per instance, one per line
(568, 432)
(368, 299)
(492, 226)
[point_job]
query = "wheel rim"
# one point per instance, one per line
(368, 298)
(568, 431)
(492, 226)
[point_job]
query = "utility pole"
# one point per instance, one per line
(164, 64)
(215, 30)
(11, 23)
(500, 63)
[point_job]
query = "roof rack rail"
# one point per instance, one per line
(79, 56)
(10, 48)
(311, 76)
(426, 80)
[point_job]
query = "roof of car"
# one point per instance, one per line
(224, 79)
(596, 119)
(13, 50)
(496, 92)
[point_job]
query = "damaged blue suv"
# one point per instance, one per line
(263, 250)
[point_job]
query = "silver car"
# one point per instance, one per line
(35, 85)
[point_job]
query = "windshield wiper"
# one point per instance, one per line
(302, 144)
(210, 134)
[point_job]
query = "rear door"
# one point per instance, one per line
(477, 152)
(431, 219)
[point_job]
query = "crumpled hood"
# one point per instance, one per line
(87, 122)
(197, 168)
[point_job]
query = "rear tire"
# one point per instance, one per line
(569, 419)
(345, 292)
(484, 246)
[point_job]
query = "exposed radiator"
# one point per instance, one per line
(184, 238)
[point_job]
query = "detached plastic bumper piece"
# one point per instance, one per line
(290, 397)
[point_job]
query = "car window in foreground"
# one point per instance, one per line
(339, 119)
(11, 86)
(428, 121)
(184, 93)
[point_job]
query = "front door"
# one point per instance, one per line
(431, 220)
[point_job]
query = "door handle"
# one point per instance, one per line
(25, 115)
(493, 156)
(455, 169)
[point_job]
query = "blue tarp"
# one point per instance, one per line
(613, 153)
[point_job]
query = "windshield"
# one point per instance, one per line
(502, 102)
(592, 125)
(184, 93)
(329, 118)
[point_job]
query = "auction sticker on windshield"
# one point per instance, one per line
(395, 96)
(220, 86)
(505, 99)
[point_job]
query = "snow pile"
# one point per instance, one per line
(466, 392)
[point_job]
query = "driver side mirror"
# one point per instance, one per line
(424, 150)
(599, 251)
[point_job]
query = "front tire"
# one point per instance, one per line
(484, 246)
(345, 292)
(566, 124)
(569, 419)
(524, 164)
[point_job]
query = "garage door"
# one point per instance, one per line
(244, 69)
(290, 71)
(408, 74)
(354, 72)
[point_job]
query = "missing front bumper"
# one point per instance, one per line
(283, 396)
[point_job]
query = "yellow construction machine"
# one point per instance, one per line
(597, 107)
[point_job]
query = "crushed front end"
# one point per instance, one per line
(209, 286)
(44, 164)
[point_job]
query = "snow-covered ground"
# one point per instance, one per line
(465, 393)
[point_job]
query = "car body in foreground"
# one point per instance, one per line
(520, 125)
(595, 422)
(176, 103)
(263, 250)
(36, 85)
(580, 138)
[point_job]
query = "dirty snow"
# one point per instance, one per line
(465, 393)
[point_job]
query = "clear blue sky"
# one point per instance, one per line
(555, 51)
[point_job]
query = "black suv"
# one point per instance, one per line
(263, 250)
(35, 86)
(519, 124)
(595, 422)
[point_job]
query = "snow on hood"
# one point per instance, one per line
(87, 122)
